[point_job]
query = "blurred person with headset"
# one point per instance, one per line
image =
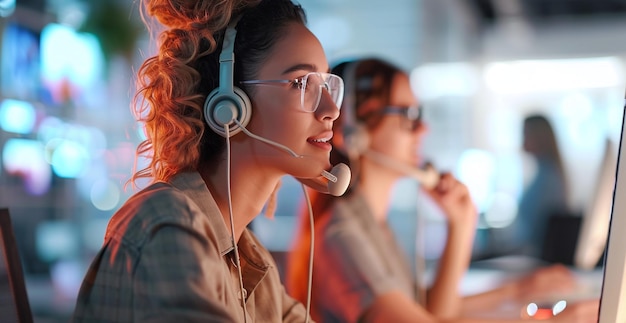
(361, 273)
(237, 96)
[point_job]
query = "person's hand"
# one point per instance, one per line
(544, 282)
(579, 312)
(455, 201)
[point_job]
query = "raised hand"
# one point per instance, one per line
(455, 201)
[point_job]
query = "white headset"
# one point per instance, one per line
(227, 102)
(225, 106)
(227, 111)
(356, 139)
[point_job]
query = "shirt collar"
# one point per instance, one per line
(194, 187)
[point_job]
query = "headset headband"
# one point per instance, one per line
(227, 57)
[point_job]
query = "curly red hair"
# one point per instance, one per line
(168, 102)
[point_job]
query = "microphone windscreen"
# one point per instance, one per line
(343, 174)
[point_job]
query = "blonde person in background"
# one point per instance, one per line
(360, 273)
(179, 250)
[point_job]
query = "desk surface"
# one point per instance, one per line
(486, 275)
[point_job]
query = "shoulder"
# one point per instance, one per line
(159, 198)
(347, 232)
(348, 216)
(345, 210)
(158, 205)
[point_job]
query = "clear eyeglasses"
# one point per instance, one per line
(311, 86)
(412, 114)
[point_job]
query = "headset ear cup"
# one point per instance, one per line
(221, 108)
(357, 141)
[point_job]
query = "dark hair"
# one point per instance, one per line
(174, 84)
(538, 132)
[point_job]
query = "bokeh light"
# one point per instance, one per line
(105, 195)
(502, 210)
(69, 159)
(56, 240)
(69, 56)
(476, 168)
(25, 158)
(7, 7)
(17, 116)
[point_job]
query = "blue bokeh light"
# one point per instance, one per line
(69, 159)
(17, 116)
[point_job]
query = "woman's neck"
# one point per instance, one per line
(250, 188)
(375, 185)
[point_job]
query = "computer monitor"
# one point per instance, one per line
(613, 296)
(14, 305)
(595, 222)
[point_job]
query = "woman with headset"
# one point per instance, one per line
(231, 81)
(360, 273)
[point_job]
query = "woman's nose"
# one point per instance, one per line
(327, 109)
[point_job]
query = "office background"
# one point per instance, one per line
(67, 135)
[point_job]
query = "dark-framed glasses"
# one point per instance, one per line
(311, 86)
(412, 114)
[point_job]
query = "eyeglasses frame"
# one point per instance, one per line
(412, 113)
(300, 82)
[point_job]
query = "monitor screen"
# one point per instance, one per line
(20, 61)
(14, 304)
(595, 223)
(613, 295)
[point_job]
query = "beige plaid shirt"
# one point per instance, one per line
(167, 257)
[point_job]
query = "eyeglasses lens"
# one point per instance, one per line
(312, 86)
(411, 116)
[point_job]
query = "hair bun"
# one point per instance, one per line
(196, 14)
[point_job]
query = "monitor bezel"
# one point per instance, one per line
(8, 244)
(614, 282)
